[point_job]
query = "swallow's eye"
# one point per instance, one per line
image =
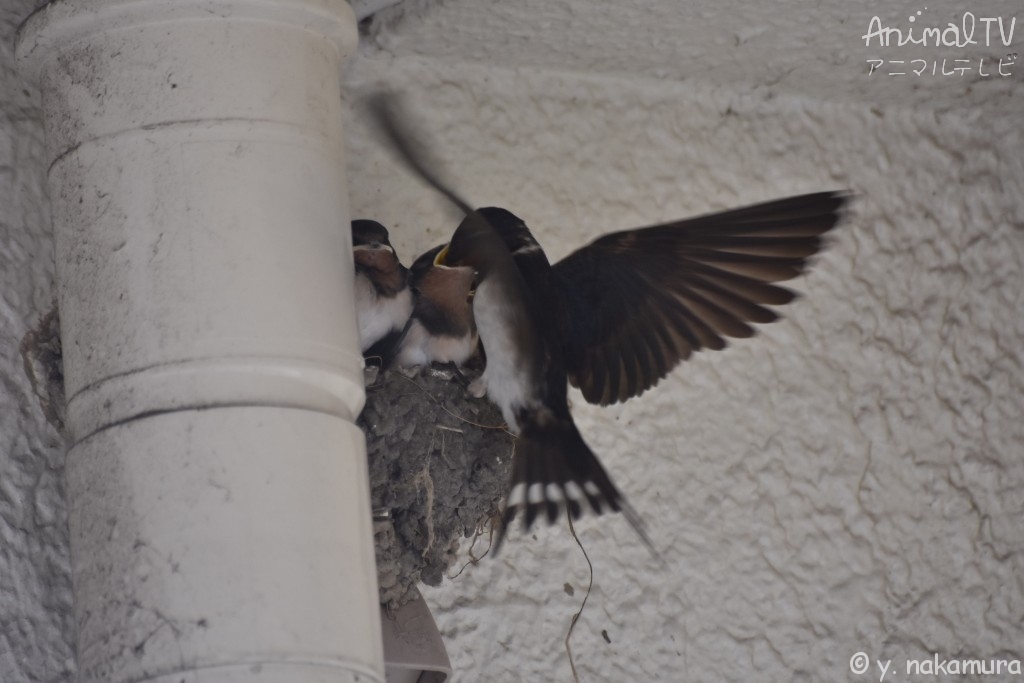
(375, 245)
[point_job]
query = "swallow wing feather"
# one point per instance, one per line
(636, 303)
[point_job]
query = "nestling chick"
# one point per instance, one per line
(441, 328)
(384, 301)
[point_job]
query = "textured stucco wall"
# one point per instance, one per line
(35, 585)
(851, 480)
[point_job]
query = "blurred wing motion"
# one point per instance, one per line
(388, 114)
(640, 301)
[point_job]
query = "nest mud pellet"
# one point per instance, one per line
(44, 365)
(439, 464)
(438, 476)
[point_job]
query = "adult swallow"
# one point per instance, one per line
(525, 375)
(632, 305)
(441, 328)
(384, 301)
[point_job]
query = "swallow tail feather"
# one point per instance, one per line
(553, 470)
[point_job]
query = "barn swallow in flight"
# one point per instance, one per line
(525, 376)
(441, 328)
(613, 318)
(384, 301)
(630, 306)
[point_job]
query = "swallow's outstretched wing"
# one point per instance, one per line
(636, 303)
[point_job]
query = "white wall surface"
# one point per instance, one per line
(850, 480)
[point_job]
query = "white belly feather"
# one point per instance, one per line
(419, 347)
(507, 378)
(379, 315)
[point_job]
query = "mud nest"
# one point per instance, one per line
(439, 461)
(439, 465)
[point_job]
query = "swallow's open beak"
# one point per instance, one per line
(439, 260)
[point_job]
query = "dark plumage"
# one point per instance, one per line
(631, 305)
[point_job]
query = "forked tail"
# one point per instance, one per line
(553, 468)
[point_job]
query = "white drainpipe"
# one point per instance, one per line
(220, 514)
